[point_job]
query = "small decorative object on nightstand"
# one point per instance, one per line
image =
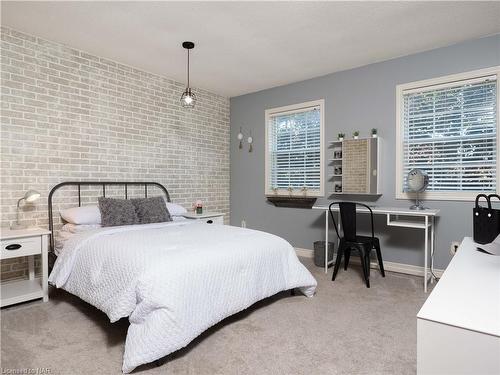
(25, 243)
(207, 217)
(198, 207)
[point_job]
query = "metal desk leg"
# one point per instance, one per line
(425, 251)
(326, 241)
(432, 247)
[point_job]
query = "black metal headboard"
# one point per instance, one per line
(102, 184)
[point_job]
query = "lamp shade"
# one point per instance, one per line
(188, 98)
(31, 195)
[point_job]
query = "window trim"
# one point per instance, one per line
(425, 84)
(296, 107)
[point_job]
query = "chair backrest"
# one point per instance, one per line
(348, 219)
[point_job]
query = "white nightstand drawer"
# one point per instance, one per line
(207, 217)
(214, 220)
(21, 247)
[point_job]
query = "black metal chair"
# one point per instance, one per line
(351, 240)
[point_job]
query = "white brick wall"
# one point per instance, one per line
(69, 115)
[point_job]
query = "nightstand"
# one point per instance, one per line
(207, 217)
(25, 243)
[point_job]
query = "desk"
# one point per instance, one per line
(421, 219)
(458, 327)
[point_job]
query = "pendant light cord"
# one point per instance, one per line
(188, 71)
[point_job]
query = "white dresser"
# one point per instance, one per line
(458, 327)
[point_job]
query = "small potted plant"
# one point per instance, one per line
(355, 135)
(198, 207)
(341, 137)
(374, 132)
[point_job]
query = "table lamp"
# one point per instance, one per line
(30, 196)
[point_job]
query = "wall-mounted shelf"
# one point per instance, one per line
(294, 202)
(361, 159)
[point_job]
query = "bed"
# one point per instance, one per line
(173, 280)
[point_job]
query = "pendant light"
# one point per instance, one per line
(188, 98)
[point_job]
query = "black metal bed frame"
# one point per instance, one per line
(79, 184)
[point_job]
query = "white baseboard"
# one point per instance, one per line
(407, 269)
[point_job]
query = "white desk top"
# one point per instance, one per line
(468, 293)
(7, 233)
(387, 210)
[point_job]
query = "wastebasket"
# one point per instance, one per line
(319, 253)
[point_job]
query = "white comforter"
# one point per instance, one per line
(175, 280)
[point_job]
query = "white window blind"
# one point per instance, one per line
(450, 132)
(294, 151)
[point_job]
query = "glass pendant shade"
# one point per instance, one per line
(188, 98)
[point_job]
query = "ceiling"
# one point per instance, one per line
(242, 47)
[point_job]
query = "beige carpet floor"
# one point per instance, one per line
(345, 329)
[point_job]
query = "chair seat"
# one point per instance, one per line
(365, 240)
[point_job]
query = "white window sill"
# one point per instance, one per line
(441, 196)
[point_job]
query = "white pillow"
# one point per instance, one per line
(82, 215)
(175, 209)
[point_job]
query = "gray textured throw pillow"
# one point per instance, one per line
(151, 210)
(117, 212)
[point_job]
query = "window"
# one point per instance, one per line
(448, 127)
(294, 149)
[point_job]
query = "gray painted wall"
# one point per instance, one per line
(360, 98)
